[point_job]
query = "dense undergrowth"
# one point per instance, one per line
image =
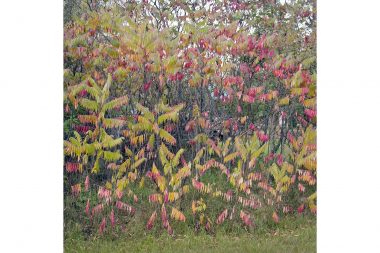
(135, 227)
(204, 125)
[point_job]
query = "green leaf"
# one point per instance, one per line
(89, 104)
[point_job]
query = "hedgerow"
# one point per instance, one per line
(183, 115)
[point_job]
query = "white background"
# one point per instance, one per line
(31, 126)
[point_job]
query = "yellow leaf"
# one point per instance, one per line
(178, 215)
(231, 156)
(284, 101)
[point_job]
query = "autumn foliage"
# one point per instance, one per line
(173, 106)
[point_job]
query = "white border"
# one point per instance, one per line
(348, 126)
(31, 126)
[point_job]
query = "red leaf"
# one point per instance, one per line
(216, 92)
(151, 220)
(169, 229)
(187, 65)
(279, 159)
(246, 219)
(147, 85)
(262, 137)
(244, 68)
(310, 113)
(301, 188)
(275, 217)
(257, 68)
(190, 126)
(301, 208)
(72, 167)
(97, 209)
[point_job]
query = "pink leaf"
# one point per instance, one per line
(222, 216)
(102, 226)
(87, 183)
(112, 218)
(88, 207)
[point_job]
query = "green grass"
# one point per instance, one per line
(292, 234)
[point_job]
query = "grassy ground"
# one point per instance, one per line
(291, 235)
